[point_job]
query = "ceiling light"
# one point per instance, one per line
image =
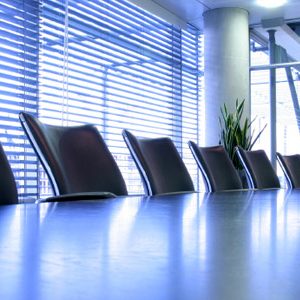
(270, 3)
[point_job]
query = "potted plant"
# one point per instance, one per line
(236, 131)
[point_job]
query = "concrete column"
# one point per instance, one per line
(226, 65)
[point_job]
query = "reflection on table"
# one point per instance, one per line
(231, 245)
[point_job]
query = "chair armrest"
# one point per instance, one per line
(78, 197)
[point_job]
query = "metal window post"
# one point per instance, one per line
(272, 49)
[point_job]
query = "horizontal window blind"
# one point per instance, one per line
(108, 63)
(19, 30)
(114, 65)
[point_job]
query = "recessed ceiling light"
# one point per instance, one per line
(270, 3)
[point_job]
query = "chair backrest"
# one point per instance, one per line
(216, 167)
(8, 188)
(160, 165)
(290, 165)
(259, 170)
(76, 158)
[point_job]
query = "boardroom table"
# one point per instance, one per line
(227, 245)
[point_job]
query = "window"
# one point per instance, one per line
(114, 65)
(260, 97)
(287, 130)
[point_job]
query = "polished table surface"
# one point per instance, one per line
(233, 245)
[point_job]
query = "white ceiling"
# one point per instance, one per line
(191, 11)
(181, 12)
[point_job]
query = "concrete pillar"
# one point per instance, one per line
(226, 65)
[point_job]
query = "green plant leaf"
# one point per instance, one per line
(235, 131)
(257, 137)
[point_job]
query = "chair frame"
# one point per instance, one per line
(145, 181)
(39, 154)
(248, 173)
(206, 179)
(284, 169)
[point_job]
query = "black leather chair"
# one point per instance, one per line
(259, 170)
(8, 189)
(290, 165)
(76, 159)
(160, 165)
(216, 167)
